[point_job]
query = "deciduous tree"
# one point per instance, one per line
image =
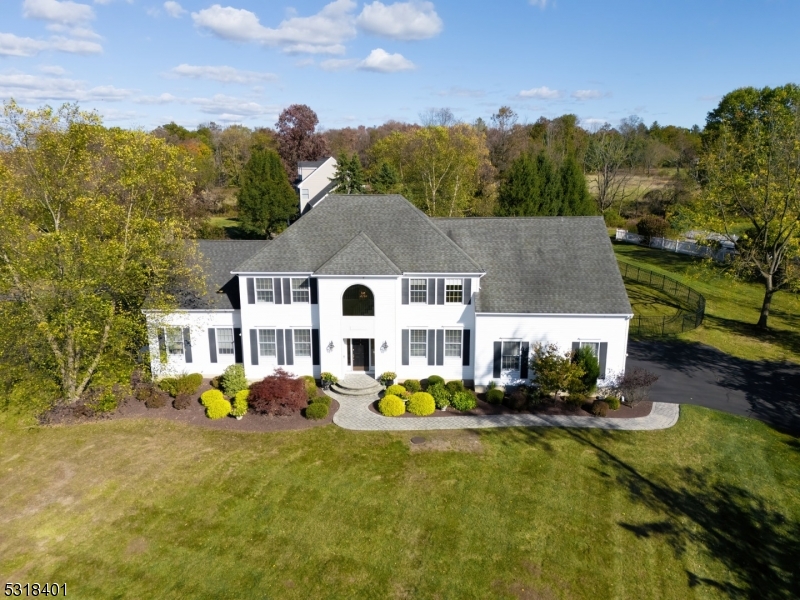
(298, 139)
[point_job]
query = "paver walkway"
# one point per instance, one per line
(354, 413)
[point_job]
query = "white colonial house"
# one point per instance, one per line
(369, 283)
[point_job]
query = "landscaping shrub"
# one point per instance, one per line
(421, 404)
(102, 399)
(322, 400)
(516, 398)
(391, 406)
(434, 379)
(635, 385)
(189, 384)
(464, 400)
(182, 401)
(441, 397)
(395, 390)
(495, 395)
(218, 409)
(575, 400)
(279, 394)
(311, 386)
(586, 360)
(387, 378)
(613, 402)
(454, 386)
(155, 398)
(239, 404)
(214, 382)
(169, 385)
(492, 384)
(316, 411)
(651, 226)
(211, 396)
(599, 408)
(233, 380)
(412, 385)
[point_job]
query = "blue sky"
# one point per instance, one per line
(141, 63)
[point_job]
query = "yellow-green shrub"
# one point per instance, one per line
(395, 390)
(311, 386)
(316, 411)
(216, 405)
(613, 402)
(391, 406)
(412, 385)
(211, 396)
(239, 408)
(421, 404)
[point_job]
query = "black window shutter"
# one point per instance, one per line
(602, 359)
(315, 347)
(314, 292)
(251, 291)
(404, 292)
(276, 290)
(431, 291)
(440, 346)
(279, 340)
(187, 345)
(440, 291)
(498, 358)
(254, 346)
(405, 346)
(576, 346)
(525, 349)
(431, 346)
(237, 346)
(289, 347)
(212, 344)
(287, 290)
(465, 349)
(162, 343)
(467, 291)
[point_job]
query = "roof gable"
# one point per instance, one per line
(360, 257)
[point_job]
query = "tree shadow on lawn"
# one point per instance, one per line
(784, 338)
(758, 545)
(771, 389)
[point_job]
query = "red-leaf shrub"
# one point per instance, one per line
(278, 394)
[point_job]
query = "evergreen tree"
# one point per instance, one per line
(349, 176)
(576, 199)
(532, 187)
(266, 198)
(385, 180)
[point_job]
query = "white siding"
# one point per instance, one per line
(557, 329)
(315, 180)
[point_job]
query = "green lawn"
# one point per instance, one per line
(732, 307)
(650, 302)
(150, 509)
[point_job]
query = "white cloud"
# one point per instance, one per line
(540, 3)
(338, 64)
(229, 108)
(78, 31)
(37, 88)
(65, 13)
(588, 94)
(323, 32)
(174, 9)
(381, 61)
(412, 20)
(540, 93)
(53, 70)
(75, 46)
(12, 45)
(222, 74)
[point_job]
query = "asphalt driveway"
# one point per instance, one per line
(697, 374)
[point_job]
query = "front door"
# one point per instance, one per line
(360, 355)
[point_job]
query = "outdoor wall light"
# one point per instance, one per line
(330, 346)
(384, 347)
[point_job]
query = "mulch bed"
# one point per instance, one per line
(551, 409)
(195, 415)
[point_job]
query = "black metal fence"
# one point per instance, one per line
(691, 304)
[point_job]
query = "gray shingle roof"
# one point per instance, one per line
(407, 237)
(360, 257)
(218, 258)
(542, 264)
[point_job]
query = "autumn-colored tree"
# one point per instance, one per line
(298, 139)
(91, 233)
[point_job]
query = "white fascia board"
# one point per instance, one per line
(564, 315)
(355, 276)
(452, 275)
(151, 311)
(272, 274)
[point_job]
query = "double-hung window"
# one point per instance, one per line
(453, 291)
(419, 291)
(511, 356)
(225, 341)
(418, 342)
(302, 342)
(452, 343)
(300, 291)
(595, 346)
(264, 291)
(266, 343)
(174, 339)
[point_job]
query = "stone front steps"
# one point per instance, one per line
(357, 385)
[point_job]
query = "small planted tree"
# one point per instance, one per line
(554, 371)
(635, 385)
(279, 394)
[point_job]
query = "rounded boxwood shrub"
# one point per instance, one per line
(441, 397)
(421, 404)
(211, 396)
(391, 406)
(316, 411)
(454, 386)
(218, 409)
(434, 379)
(156, 399)
(169, 385)
(599, 408)
(613, 402)
(311, 386)
(322, 400)
(464, 400)
(182, 401)
(395, 390)
(495, 396)
(412, 385)
(239, 405)
(233, 380)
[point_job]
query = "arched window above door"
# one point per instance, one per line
(358, 301)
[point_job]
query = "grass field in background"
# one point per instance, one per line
(732, 307)
(150, 509)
